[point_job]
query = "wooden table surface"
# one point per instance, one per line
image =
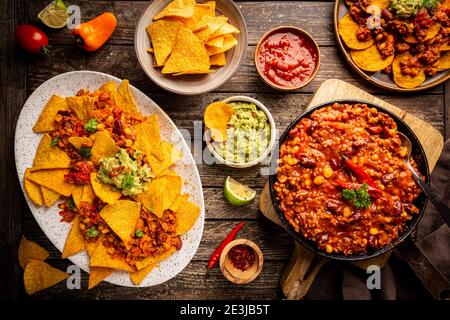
(21, 74)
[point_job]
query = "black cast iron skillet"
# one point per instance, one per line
(420, 202)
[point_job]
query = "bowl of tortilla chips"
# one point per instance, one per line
(190, 47)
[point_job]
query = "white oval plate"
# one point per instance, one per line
(25, 145)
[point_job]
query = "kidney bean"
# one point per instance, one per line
(333, 205)
(386, 14)
(311, 128)
(117, 127)
(374, 129)
(388, 177)
(359, 143)
(334, 164)
(397, 208)
(307, 162)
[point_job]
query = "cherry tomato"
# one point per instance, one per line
(32, 39)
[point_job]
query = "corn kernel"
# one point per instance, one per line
(403, 152)
(100, 127)
(361, 161)
(307, 182)
(374, 157)
(328, 248)
(373, 110)
(373, 231)
(404, 214)
(128, 143)
(292, 161)
(109, 120)
(127, 131)
(327, 172)
(319, 180)
(347, 212)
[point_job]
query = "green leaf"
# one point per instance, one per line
(85, 152)
(139, 233)
(127, 181)
(349, 194)
(92, 232)
(54, 142)
(70, 203)
(360, 197)
(91, 125)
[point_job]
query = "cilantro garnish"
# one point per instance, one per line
(70, 204)
(92, 232)
(360, 197)
(54, 142)
(85, 152)
(139, 233)
(127, 181)
(91, 125)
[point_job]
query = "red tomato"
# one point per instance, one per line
(32, 39)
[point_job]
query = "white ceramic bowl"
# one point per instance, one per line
(191, 84)
(271, 141)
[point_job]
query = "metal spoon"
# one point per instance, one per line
(440, 206)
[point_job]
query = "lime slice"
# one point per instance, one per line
(237, 193)
(54, 15)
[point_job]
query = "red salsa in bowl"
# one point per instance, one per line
(287, 58)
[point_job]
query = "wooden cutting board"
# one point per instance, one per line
(304, 265)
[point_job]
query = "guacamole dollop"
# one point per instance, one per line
(409, 8)
(124, 173)
(248, 134)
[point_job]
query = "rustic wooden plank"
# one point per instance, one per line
(314, 17)
(273, 241)
(119, 60)
(447, 110)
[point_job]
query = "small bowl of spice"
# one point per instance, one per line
(287, 58)
(241, 261)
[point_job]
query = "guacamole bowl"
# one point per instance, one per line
(253, 130)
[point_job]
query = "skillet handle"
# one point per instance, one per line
(300, 272)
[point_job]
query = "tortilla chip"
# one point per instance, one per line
(104, 147)
(189, 53)
(88, 194)
(82, 106)
(75, 240)
(216, 117)
(163, 35)
(122, 217)
(92, 245)
(187, 214)
(78, 142)
(445, 47)
(405, 81)
(177, 9)
(182, 198)
(137, 276)
(39, 275)
(212, 25)
(49, 157)
(111, 88)
(376, 6)
(29, 250)
(219, 59)
(229, 41)
(347, 31)
(153, 260)
(444, 61)
(50, 197)
(370, 59)
(45, 121)
(216, 42)
(193, 72)
(33, 190)
(171, 156)
(124, 98)
(225, 29)
(431, 33)
(53, 180)
(200, 9)
(98, 274)
(106, 192)
(148, 138)
(101, 258)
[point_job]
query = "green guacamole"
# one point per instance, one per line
(248, 134)
(409, 8)
(124, 173)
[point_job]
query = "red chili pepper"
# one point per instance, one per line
(116, 171)
(216, 255)
(373, 192)
(359, 172)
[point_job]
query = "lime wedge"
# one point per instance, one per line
(54, 15)
(237, 193)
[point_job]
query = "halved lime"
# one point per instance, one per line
(237, 193)
(54, 15)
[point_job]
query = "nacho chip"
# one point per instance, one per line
(92, 245)
(444, 61)
(171, 156)
(98, 274)
(74, 241)
(370, 59)
(33, 190)
(50, 197)
(49, 157)
(39, 275)
(187, 214)
(82, 106)
(29, 250)
(193, 72)
(163, 35)
(375, 7)
(431, 33)
(125, 100)
(177, 9)
(405, 81)
(148, 137)
(216, 118)
(225, 29)
(106, 192)
(77, 194)
(104, 147)
(45, 121)
(88, 194)
(153, 260)
(200, 9)
(78, 142)
(229, 41)
(122, 217)
(347, 31)
(445, 47)
(137, 276)
(101, 258)
(182, 198)
(212, 25)
(111, 88)
(219, 59)
(216, 42)
(189, 53)
(53, 180)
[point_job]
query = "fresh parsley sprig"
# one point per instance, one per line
(360, 197)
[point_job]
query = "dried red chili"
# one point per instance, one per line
(215, 256)
(116, 171)
(242, 256)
